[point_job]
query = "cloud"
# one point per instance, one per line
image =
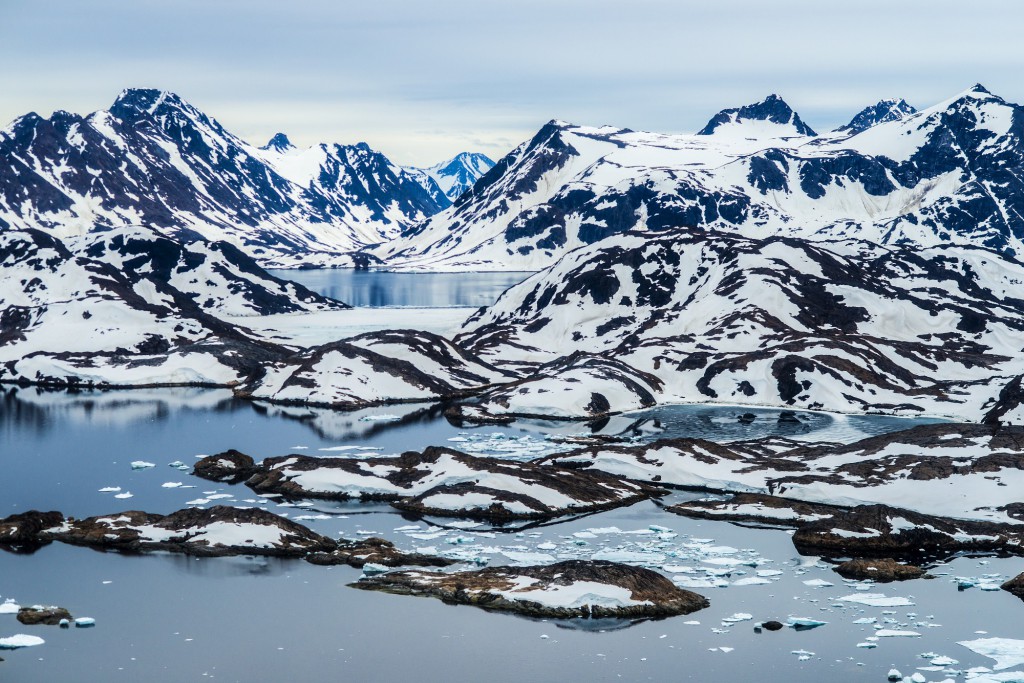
(421, 80)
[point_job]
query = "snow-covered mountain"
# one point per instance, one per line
(951, 173)
(689, 315)
(458, 174)
(883, 111)
(128, 306)
(153, 159)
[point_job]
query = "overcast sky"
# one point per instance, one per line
(423, 79)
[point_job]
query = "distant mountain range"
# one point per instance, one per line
(950, 174)
(153, 159)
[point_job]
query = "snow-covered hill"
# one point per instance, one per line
(951, 173)
(128, 306)
(153, 159)
(693, 315)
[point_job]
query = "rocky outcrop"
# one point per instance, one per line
(881, 570)
(1015, 586)
(441, 481)
(49, 616)
(880, 531)
(375, 551)
(565, 590)
(215, 531)
(21, 532)
(229, 467)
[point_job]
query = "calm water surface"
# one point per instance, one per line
(170, 618)
(375, 288)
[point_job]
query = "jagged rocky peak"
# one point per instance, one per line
(134, 101)
(278, 143)
(771, 110)
(884, 111)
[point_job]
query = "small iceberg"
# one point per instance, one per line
(20, 640)
(142, 465)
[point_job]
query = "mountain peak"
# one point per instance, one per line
(278, 143)
(144, 100)
(772, 109)
(883, 111)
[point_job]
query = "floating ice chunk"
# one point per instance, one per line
(380, 418)
(547, 546)
(877, 600)
(739, 616)
(198, 501)
(692, 622)
(769, 572)
(802, 623)
(989, 586)
(84, 622)
(894, 675)
(818, 583)
(142, 465)
(895, 633)
(407, 527)
(171, 484)
(371, 568)
(865, 620)
(176, 464)
(9, 607)
(1006, 651)
(20, 640)
(943, 661)
(867, 646)
(726, 650)
(525, 559)
(219, 496)
(126, 494)
(110, 489)
(750, 581)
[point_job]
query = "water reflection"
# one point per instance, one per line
(378, 289)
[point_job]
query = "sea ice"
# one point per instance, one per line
(877, 600)
(142, 465)
(20, 640)
(1006, 652)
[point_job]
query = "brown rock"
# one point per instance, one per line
(880, 570)
(50, 616)
(231, 467)
(522, 589)
(21, 532)
(375, 551)
(1015, 586)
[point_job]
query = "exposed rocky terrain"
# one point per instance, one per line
(442, 481)
(564, 590)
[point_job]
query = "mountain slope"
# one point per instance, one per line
(153, 159)
(691, 315)
(948, 174)
(129, 307)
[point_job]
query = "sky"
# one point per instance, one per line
(421, 80)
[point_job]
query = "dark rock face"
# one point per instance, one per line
(231, 467)
(869, 531)
(502, 589)
(773, 625)
(375, 551)
(49, 616)
(21, 532)
(1015, 586)
(420, 482)
(882, 570)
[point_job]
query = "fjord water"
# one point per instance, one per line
(380, 288)
(171, 618)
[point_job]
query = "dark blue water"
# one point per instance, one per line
(170, 618)
(383, 288)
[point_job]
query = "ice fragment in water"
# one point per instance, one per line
(85, 622)
(141, 465)
(20, 640)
